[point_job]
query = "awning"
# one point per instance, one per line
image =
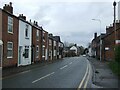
(1, 42)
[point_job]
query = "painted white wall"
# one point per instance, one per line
(74, 48)
(119, 10)
(24, 42)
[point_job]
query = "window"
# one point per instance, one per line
(37, 35)
(10, 24)
(26, 31)
(50, 42)
(54, 43)
(43, 51)
(9, 49)
(50, 52)
(26, 54)
(37, 51)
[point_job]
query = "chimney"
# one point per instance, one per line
(8, 8)
(22, 17)
(50, 34)
(95, 35)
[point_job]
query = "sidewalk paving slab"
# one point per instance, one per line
(103, 77)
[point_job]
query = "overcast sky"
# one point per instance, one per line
(70, 19)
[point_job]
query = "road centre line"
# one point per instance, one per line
(83, 78)
(70, 63)
(63, 67)
(42, 77)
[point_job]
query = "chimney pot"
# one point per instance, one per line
(10, 3)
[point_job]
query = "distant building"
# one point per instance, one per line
(119, 10)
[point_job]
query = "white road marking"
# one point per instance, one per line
(63, 67)
(83, 78)
(25, 72)
(43, 77)
(70, 63)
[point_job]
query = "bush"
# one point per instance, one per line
(117, 53)
(114, 66)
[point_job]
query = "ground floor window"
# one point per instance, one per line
(10, 50)
(37, 51)
(26, 54)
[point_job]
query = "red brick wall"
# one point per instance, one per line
(9, 37)
(35, 43)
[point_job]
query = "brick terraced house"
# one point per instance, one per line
(108, 42)
(36, 43)
(9, 26)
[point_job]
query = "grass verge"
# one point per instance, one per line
(114, 66)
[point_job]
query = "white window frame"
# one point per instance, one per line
(10, 49)
(37, 35)
(10, 23)
(37, 51)
(54, 43)
(27, 47)
(50, 42)
(27, 28)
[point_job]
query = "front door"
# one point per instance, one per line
(0, 55)
(20, 55)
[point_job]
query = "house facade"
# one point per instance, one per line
(50, 47)
(108, 43)
(36, 43)
(9, 35)
(25, 38)
(44, 45)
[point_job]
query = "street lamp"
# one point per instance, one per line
(100, 35)
(114, 4)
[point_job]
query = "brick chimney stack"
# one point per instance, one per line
(22, 17)
(95, 35)
(8, 8)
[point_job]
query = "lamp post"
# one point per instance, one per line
(114, 4)
(100, 37)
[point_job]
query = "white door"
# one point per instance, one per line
(20, 56)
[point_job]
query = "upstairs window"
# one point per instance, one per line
(10, 24)
(26, 31)
(37, 35)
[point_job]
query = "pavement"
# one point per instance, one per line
(103, 77)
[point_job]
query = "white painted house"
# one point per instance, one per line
(74, 48)
(25, 36)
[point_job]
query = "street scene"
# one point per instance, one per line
(60, 44)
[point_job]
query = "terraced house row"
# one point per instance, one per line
(24, 42)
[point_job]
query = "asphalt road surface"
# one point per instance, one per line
(72, 72)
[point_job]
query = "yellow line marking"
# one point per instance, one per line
(83, 78)
(87, 78)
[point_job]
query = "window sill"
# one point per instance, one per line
(10, 32)
(9, 57)
(26, 37)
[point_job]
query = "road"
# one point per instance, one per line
(72, 72)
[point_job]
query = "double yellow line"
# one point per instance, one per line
(86, 77)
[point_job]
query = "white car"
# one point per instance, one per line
(84, 55)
